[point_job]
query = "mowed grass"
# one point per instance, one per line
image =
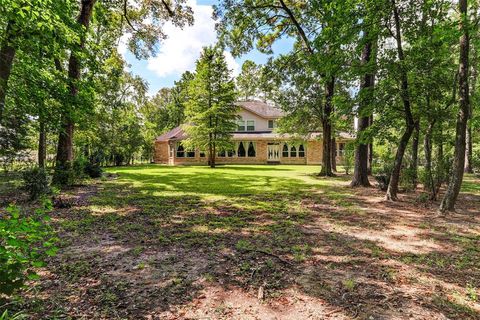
(149, 239)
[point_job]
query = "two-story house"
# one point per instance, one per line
(255, 140)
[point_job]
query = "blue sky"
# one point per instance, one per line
(179, 51)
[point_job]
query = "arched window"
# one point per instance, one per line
(180, 151)
(285, 151)
(241, 150)
(293, 152)
(301, 151)
(251, 150)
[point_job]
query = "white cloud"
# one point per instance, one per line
(182, 48)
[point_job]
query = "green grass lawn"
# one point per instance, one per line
(172, 242)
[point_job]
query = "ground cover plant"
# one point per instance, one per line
(240, 242)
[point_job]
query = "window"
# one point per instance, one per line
(202, 154)
(221, 153)
(271, 124)
(231, 153)
(293, 152)
(241, 125)
(190, 154)
(241, 150)
(251, 150)
(301, 151)
(180, 151)
(250, 125)
(341, 150)
(285, 151)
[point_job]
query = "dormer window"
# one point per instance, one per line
(271, 124)
(250, 125)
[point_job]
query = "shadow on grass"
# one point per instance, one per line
(152, 242)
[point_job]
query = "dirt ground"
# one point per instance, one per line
(352, 257)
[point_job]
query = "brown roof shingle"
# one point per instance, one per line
(262, 109)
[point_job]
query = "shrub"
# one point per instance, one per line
(25, 240)
(36, 182)
(71, 174)
(93, 170)
(408, 178)
(382, 173)
(349, 157)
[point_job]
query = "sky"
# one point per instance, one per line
(182, 48)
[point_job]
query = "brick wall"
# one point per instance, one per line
(161, 152)
(313, 155)
(314, 152)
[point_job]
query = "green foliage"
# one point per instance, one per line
(16, 316)
(211, 112)
(36, 182)
(348, 157)
(93, 170)
(25, 240)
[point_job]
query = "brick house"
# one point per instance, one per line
(256, 142)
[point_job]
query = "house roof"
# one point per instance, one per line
(174, 134)
(261, 109)
(178, 134)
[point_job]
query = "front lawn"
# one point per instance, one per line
(251, 242)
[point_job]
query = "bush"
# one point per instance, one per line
(408, 178)
(349, 157)
(70, 175)
(382, 173)
(25, 240)
(93, 170)
(36, 182)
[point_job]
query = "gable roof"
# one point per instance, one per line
(261, 109)
(174, 134)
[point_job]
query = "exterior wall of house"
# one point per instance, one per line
(161, 152)
(261, 124)
(314, 152)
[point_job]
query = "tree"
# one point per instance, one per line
(211, 112)
(144, 37)
(456, 177)
(247, 80)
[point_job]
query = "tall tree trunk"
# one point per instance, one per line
(414, 164)
(469, 143)
(392, 189)
(7, 53)
(327, 129)
(360, 171)
(334, 154)
(370, 151)
(468, 149)
(430, 182)
(42, 143)
(65, 138)
(456, 177)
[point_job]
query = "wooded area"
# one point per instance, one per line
(401, 76)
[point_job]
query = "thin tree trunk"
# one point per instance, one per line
(7, 53)
(468, 150)
(360, 171)
(430, 182)
(469, 143)
(370, 151)
(334, 154)
(327, 129)
(456, 177)
(414, 164)
(42, 143)
(65, 138)
(392, 189)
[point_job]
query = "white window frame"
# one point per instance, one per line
(273, 124)
(246, 125)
